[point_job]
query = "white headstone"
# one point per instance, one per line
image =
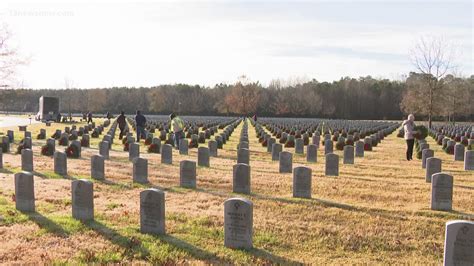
(60, 163)
(183, 147)
(286, 162)
(332, 164)
(241, 178)
(243, 156)
(238, 223)
(459, 152)
(302, 182)
(140, 170)
(152, 211)
(24, 192)
(27, 160)
(166, 154)
(312, 153)
(469, 160)
(276, 149)
(441, 192)
(459, 243)
(433, 166)
(133, 151)
(104, 149)
(348, 155)
(97, 167)
(425, 154)
(203, 156)
(82, 199)
(187, 173)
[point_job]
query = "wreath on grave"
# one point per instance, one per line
(154, 148)
(72, 151)
(449, 149)
(305, 140)
(169, 141)
(56, 135)
(63, 141)
(46, 151)
(162, 137)
(350, 142)
(290, 143)
(465, 142)
(367, 147)
(95, 134)
(84, 143)
(20, 147)
(148, 141)
(421, 132)
(340, 145)
(40, 136)
(457, 138)
(125, 146)
(193, 143)
(440, 141)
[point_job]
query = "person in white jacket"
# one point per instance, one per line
(409, 128)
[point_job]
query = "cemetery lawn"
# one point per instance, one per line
(375, 211)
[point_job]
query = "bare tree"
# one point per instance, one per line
(9, 57)
(456, 95)
(432, 57)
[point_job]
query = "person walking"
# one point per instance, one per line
(89, 117)
(122, 123)
(409, 128)
(177, 126)
(140, 120)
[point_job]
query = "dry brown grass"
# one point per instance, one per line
(376, 211)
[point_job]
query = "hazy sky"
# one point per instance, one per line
(208, 42)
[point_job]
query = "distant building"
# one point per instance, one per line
(48, 108)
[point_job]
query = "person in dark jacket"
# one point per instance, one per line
(140, 121)
(122, 123)
(89, 117)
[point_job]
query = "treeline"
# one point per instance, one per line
(347, 98)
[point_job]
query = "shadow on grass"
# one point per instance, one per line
(194, 251)
(36, 173)
(274, 259)
(465, 187)
(47, 224)
(326, 203)
(470, 216)
(131, 245)
(5, 171)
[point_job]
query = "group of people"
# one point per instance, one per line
(87, 116)
(176, 126)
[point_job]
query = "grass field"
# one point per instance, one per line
(376, 211)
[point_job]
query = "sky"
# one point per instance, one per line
(121, 43)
